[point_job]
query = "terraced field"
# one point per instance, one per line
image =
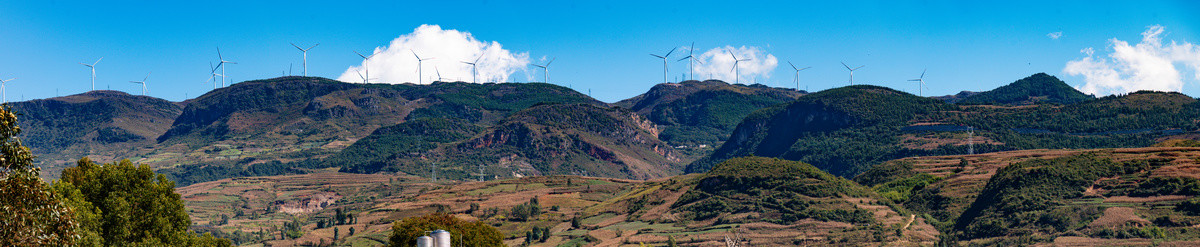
(1114, 203)
(602, 204)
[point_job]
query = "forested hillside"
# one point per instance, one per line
(694, 113)
(847, 130)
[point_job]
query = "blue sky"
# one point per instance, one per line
(602, 46)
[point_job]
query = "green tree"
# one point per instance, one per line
(32, 214)
(129, 205)
(473, 233)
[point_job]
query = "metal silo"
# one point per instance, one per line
(441, 238)
(424, 241)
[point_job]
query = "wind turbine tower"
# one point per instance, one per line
(419, 66)
(797, 80)
(920, 84)
(970, 140)
(851, 71)
(213, 75)
(439, 73)
(221, 66)
(143, 82)
(305, 51)
(664, 58)
(4, 90)
(545, 70)
(93, 67)
(737, 73)
(366, 66)
(691, 61)
(474, 73)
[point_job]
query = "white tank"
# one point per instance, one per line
(441, 238)
(424, 241)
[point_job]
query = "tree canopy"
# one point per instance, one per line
(469, 233)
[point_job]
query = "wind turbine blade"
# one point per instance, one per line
(477, 59)
(731, 54)
(219, 53)
(84, 64)
(806, 68)
(847, 66)
(314, 46)
(923, 73)
(672, 51)
(915, 80)
(684, 58)
(658, 56)
(551, 61)
(97, 61)
(859, 67)
(360, 54)
(297, 47)
(793, 66)
(415, 54)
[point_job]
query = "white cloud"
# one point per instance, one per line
(718, 64)
(443, 51)
(1149, 65)
(1054, 35)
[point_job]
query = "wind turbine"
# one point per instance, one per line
(439, 73)
(921, 84)
(797, 80)
(221, 66)
(545, 70)
(213, 72)
(4, 90)
(93, 67)
(970, 140)
(664, 58)
(474, 72)
(143, 82)
(305, 51)
(419, 66)
(851, 71)
(691, 61)
(366, 66)
(364, 78)
(737, 73)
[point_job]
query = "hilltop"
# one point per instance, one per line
(547, 139)
(695, 113)
(1038, 88)
(110, 123)
(846, 130)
